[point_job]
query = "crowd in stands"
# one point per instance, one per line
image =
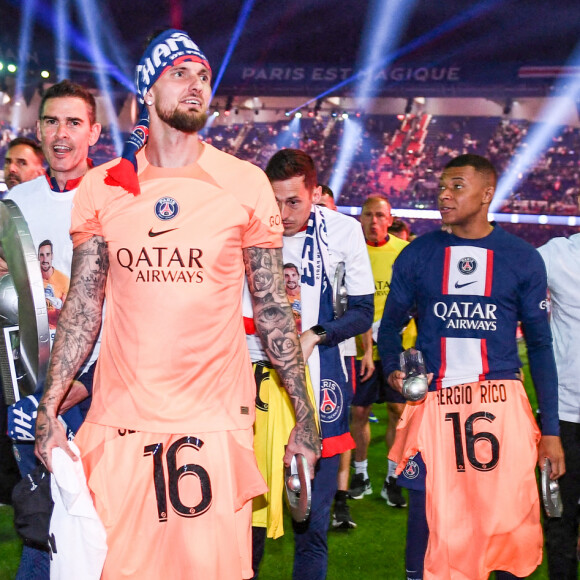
(535, 234)
(402, 159)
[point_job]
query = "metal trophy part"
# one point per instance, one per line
(339, 295)
(30, 343)
(297, 483)
(551, 492)
(415, 385)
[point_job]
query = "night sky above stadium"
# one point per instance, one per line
(322, 31)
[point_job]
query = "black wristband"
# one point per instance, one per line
(319, 330)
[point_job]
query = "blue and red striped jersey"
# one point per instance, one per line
(468, 297)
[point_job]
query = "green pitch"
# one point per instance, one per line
(375, 549)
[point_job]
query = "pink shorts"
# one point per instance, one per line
(173, 506)
(479, 442)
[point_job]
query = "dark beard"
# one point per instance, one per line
(183, 121)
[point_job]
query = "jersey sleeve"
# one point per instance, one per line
(359, 285)
(85, 216)
(265, 224)
(536, 328)
(398, 307)
(359, 279)
(546, 253)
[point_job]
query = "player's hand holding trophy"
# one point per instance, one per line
(415, 384)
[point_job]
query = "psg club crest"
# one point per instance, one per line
(467, 265)
(330, 401)
(166, 208)
(411, 470)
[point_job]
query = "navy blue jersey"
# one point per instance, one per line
(468, 296)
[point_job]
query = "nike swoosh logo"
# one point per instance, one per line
(457, 284)
(153, 234)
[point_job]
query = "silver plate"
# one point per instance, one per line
(415, 388)
(339, 294)
(24, 267)
(551, 492)
(297, 484)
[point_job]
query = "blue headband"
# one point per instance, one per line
(165, 50)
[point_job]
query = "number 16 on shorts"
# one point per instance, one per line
(186, 481)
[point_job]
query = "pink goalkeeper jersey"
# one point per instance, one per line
(479, 444)
(173, 355)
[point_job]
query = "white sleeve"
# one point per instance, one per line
(359, 275)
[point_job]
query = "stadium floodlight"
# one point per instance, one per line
(88, 9)
(461, 19)
(26, 24)
(349, 145)
(240, 25)
(62, 38)
(386, 21)
(228, 107)
(285, 137)
(208, 124)
(514, 218)
(550, 123)
(47, 18)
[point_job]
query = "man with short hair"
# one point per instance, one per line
(326, 197)
(372, 386)
(317, 240)
(292, 284)
(23, 161)
(66, 129)
(55, 282)
(474, 431)
(400, 229)
(166, 234)
(562, 259)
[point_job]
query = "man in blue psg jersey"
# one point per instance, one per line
(472, 444)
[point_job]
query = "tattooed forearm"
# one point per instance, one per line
(80, 319)
(78, 326)
(275, 325)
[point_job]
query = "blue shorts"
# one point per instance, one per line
(414, 475)
(375, 389)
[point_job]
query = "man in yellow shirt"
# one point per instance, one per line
(371, 386)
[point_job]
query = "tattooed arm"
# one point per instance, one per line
(276, 328)
(78, 327)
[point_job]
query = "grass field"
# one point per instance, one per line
(375, 549)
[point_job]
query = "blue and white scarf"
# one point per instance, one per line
(327, 372)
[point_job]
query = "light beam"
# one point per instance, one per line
(62, 39)
(22, 70)
(549, 124)
(88, 8)
(240, 25)
(451, 24)
(385, 23)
